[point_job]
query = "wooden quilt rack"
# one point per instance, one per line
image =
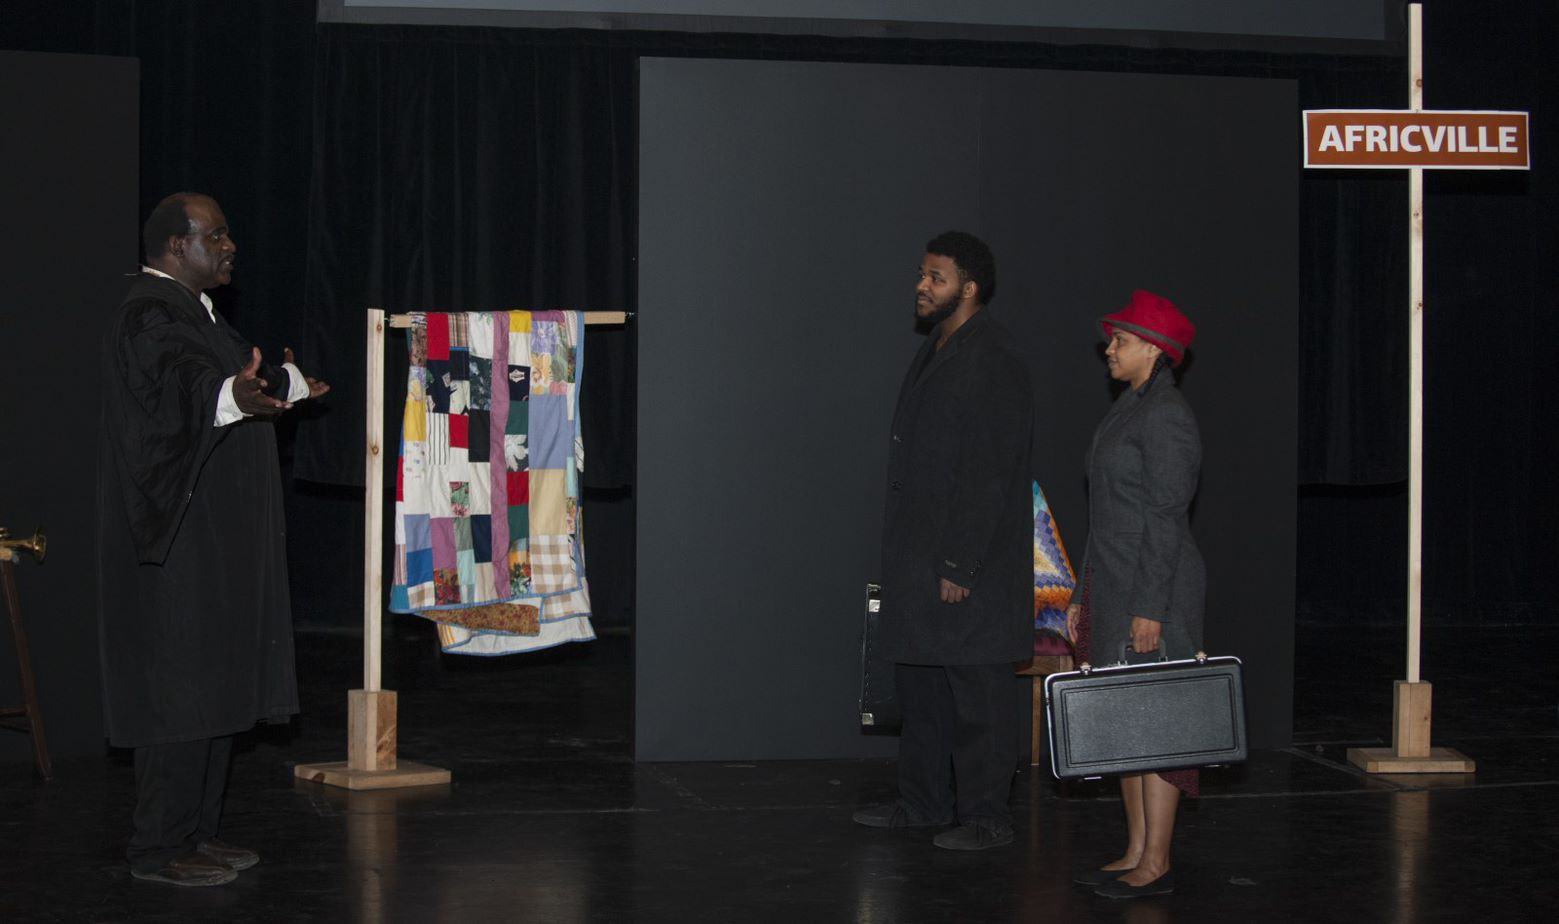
(371, 761)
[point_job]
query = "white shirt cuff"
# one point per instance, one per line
(227, 408)
(297, 386)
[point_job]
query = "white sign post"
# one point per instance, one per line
(1415, 139)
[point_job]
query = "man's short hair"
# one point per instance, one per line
(168, 219)
(974, 259)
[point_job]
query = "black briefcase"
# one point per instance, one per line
(1139, 718)
(879, 701)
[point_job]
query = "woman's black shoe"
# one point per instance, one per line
(1094, 877)
(1115, 888)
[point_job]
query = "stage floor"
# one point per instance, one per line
(549, 820)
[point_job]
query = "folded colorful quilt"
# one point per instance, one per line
(487, 486)
(1053, 577)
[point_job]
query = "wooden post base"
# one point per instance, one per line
(406, 773)
(1385, 760)
(370, 750)
(370, 729)
(1412, 711)
(1410, 752)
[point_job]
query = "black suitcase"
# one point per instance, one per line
(1138, 718)
(879, 705)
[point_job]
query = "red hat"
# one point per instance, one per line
(1155, 319)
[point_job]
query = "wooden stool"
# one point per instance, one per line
(1038, 668)
(28, 711)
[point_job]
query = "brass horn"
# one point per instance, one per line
(37, 545)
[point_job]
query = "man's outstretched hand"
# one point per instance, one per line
(249, 390)
(316, 387)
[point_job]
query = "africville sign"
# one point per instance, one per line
(1431, 139)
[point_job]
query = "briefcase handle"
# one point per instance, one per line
(1126, 649)
(1086, 668)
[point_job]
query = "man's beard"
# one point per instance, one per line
(939, 311)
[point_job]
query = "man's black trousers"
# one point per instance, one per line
(179, 789)
(959, 745)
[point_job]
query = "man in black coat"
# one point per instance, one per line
(958, 556)
(195, 623)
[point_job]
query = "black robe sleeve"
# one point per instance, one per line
(278, 380)
(165, 369)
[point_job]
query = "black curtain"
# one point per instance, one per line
(226, 99)
(1489, 531)
(468, 170)
(1353, 296)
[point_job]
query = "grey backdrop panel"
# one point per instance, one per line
(783, 211)
(69, 176)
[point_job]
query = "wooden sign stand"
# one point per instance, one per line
(372, 761)
(1415, 139)
(1410, 750)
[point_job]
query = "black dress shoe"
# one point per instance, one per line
(974, 837)
(1115, 888)
(894, 815)
(234, 858)
(192, 869)
(1094, 877)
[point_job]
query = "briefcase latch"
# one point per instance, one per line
(1201, 657)
(1085, 668)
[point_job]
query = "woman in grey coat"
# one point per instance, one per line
(1143, 582)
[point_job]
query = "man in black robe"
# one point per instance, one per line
(958, 556)
(195, 623)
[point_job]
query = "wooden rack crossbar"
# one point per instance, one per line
(371, 712)
(591, 317)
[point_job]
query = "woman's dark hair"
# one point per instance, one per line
(1159, 365)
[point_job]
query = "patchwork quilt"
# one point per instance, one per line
(487, 486)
